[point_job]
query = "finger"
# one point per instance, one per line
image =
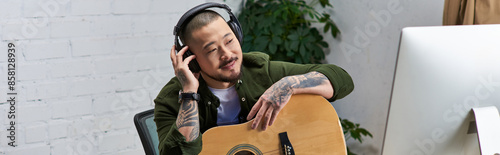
(254, 110)
(267, 117)
(172, 55)
(178, 56)
(189, 59)
(273, 117)
(182, 51)
(259, 115)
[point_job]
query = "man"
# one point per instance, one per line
(231, 87)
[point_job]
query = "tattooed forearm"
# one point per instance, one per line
(283, 89)
(311, 79)
(188, 114)
(195, 132)
(187, 120)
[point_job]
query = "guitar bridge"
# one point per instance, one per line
(285, 144)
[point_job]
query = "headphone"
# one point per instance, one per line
(233, 23)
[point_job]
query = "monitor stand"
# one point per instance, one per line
(488, 129)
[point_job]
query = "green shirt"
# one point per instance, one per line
(258, 74)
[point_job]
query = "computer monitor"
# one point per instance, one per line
(441, 73)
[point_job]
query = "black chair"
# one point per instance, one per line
(146, 128)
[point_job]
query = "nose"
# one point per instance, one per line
(225, 53)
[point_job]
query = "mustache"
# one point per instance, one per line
(228, 61)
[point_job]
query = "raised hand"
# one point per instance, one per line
(188, 79)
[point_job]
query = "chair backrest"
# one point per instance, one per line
(146, 128)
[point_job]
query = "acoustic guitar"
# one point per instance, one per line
(310, 124)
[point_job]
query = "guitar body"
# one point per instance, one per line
(310, 121)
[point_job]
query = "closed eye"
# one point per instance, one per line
(212, 50)
(230, 41)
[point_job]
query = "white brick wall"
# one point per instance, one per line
(112, 141)
(43, 49)
(123, 6)
(22, 28)
(85, 68)
(42, 110)
(70, 108)
(70, 68)
(87, 47)
(10, 9)
(133, 45)
(40, 91)
(91, 7)
(105, 25)
(35, 149)
(69, 27)
(33, 71)
(58, 129)
(52, 8)
(36, 132)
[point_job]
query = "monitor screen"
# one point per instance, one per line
(441, 73)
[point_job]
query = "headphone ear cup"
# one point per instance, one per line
(193, 65)
(236, 29)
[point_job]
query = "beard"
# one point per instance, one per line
(231, 78)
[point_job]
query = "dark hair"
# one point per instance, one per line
(203, 18)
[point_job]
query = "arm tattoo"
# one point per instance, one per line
(188, 118)
(311, 79)
(182, 78)
(284, 88)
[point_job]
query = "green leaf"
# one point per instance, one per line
(295, 10)
(311, 15)
(265, 31)
(293, 36)
(364, 132)
(356, 136)
(335, 30)
(327, 27)
(324, 44)
(348, 124)
(277, 40)
(309, 38)
(287, 45)
(284, 15)
(248, 38)
(261, 43)
(326, 16)
(318, 52)
(277, 13)
(246, 48)
(325, 3)
(303, 31)
(294, 45)
(277, 30)
(272, 48)
(302, 50)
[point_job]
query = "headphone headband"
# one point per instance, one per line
(189, 14)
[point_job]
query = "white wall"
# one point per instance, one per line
(367, 49)
(85, 67)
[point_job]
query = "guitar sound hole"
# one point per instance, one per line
(244, 153)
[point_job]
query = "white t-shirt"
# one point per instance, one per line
(229, 109)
